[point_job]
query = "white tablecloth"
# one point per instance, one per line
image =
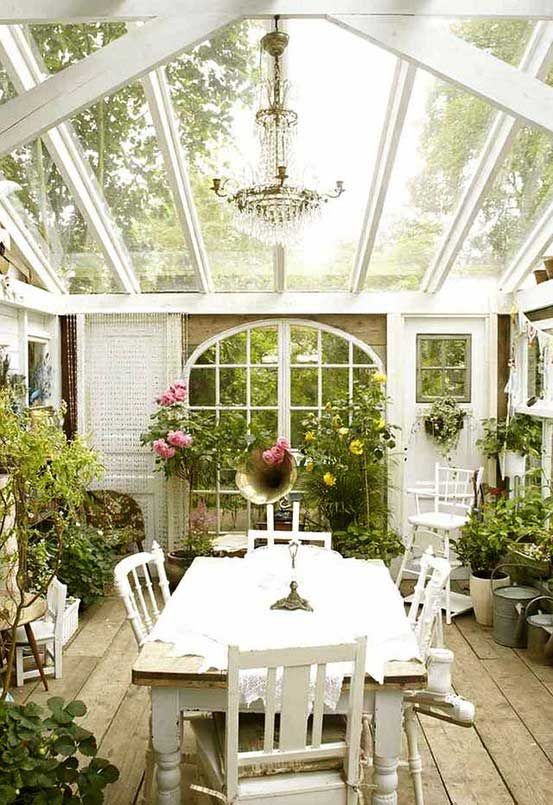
(222, 602)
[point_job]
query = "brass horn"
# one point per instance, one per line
(262, 483)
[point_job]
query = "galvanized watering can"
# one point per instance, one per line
(540, 632)
(509, 605)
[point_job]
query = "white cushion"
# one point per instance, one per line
(43, 630)
(438, 520)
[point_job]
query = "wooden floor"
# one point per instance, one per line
(507, 757)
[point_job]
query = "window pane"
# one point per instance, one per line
(297, 429)
(234, 513)
(455, 382)
(264, 345)
(431, 383)
(204, 512)
(304, 387)
(264, 386)
(202, 387)
(232, 386)
(208, 356)
(304, 345)
(335, 384)
(233, 349)
(335, 349)
(360, 356)
(361, 379)
(430, 351)
(266, 421)
(455, 352)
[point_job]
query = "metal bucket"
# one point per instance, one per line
(509, 605)
(540, 633)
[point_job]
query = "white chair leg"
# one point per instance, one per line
(448, 584)
(413, 755)
(58, 659)
(406, 555)
(19, 673)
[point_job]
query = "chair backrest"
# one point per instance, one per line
(55, 599)
(427, 597)
(295, 666)
(454, 487)
(133, 580)
(284, 537)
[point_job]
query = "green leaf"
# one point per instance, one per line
(76, 709)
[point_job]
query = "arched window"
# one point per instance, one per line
(274, 371)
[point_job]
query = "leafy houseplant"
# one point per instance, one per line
(343, 459)
(39, 751)
(86, 563)
(361, 542)
(45, 481)
(521, 435)
(444, 424)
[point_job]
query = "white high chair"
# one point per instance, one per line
(452, 494)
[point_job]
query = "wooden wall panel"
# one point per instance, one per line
(503, 355)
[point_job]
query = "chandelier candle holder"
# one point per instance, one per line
(274, 209)
(293, 600)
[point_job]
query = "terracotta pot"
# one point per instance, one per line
(482, 597)
(176, 565)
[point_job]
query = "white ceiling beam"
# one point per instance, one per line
(103, 72)
(23, 295)
(26, 71)
(159, 100)
(532, 249)
(430, 45)
(33, 249)
(503, 130)
(279, 269)
(72, 11)
(398, 103)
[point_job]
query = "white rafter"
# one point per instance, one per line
(26, 71)
(31, 246)
(102, 73)
(430, 45)
(535, 246)
(158, 95)
(127, 10)
(400, 94)
(535, 61)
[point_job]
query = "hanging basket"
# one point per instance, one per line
(512, 465)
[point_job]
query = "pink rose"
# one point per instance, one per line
(179, 439)
(282, 444)
(162, 449)
(180, 384)
(268, 456)
(167, 398)
(179, 393)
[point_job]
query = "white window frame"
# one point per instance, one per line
(283, 368)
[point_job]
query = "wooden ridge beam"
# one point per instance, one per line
(102, 73)
(503, 130)
(429, 45)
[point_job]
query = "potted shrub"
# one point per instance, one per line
(482, 545)
(444, 424)
(366, 542)
(511, 441)
(533, 543)
(197, 542)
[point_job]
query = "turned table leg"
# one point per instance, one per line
(36, 653)
(166, 739)
(387, 745)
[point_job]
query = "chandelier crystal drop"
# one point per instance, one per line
(274, 209)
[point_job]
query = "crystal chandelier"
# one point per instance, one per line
(273, 209)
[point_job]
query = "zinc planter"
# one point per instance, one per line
(482, 597)
(512, 465)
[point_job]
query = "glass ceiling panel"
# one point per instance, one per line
(444, 131)
(120, 141)
(50, 212)
(341, 103)
(214, 95)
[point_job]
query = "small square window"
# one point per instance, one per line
(443, 367)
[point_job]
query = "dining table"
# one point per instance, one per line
(227, 601)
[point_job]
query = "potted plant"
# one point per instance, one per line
(511, 441)
(368, 542)
(197, 542)
(444, 424)
(483, 543)
(533, 542)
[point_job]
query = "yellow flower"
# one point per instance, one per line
(336, 421)
(343, 431)
(309, 466)
(356, 447)
(378, 377)
(380, 423)
(329, 479)
(309, 436)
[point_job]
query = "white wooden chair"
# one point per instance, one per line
(334, 786)
(134, 584)
(270, 535)
(48, 632)
(452, 496)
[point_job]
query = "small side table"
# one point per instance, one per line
(29, 614)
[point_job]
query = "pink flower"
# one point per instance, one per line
(167, 398)
(180, 384)
(179, 439)
(269, 456)
(179, 393)
(282, 444)
(162, 449)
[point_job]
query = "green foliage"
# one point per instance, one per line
(522, 434)
(39, 750)
(444, 423)
(11, 383)
(360, 542)
(343, 453)
(87, 561)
